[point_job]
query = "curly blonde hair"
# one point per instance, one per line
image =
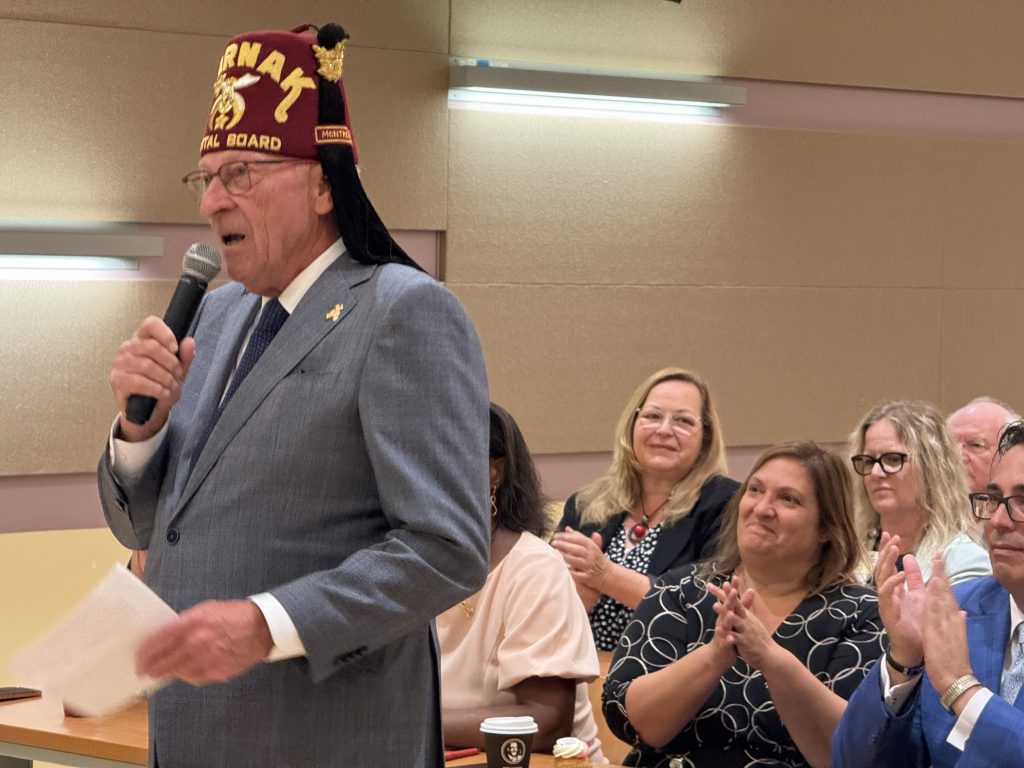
(621, 487)
(935, 460)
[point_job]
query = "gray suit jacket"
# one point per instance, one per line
(348, 477)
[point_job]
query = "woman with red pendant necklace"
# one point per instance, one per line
(658, 507)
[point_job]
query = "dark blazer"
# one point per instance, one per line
(870, 735)
(685, 541)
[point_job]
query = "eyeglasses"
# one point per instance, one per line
(891, 462)
(652, 418)
(235, 176)
(984, 506)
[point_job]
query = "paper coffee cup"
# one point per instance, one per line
(509, 741)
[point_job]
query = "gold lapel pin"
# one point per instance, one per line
(335, 313)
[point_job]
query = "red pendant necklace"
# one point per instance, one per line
(636, 534)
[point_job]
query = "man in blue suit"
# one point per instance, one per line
(966, 712)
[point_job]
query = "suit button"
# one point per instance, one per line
(172, 536)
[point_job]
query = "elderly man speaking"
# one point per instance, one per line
(312, 485)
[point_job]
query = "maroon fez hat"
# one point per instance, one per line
(265, 97)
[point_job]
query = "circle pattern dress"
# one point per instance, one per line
(837, 634)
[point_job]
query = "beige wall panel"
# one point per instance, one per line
(982, 336)
(399, 110)
(416, 25)
(931, 45)
(984, 228)
(783, 363)
(107, 134)
(537, 199)
(98, 122)
(58, 404)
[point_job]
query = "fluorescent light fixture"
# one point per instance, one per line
(558, 89)
(49, 246)
(8, 261)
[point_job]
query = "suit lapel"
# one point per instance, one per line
(671, 541)
(222, 362)
(324, 308)
(986, 636)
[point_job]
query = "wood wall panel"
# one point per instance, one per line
(107, 134)
(415, 25)
(58, 405)
(556, 200)
(983, 231)
(982, 339)
(784, 363)
(940, 45)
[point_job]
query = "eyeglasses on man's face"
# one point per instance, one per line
(652, 418)
(891, 462)
(985, 504)
(236, 176)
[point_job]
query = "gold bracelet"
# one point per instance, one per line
(958, 688)
(607, 572)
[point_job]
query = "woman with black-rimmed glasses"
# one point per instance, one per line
(914, 489)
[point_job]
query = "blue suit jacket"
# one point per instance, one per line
(870, 735)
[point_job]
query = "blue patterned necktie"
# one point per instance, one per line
(271, 319)
(1013, 677)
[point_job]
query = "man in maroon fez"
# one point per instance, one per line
(312, 485)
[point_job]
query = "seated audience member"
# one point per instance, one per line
(659, 506)
(976, 428)
(914, 487)
(521, 645)
(967, 712)
(748, 658)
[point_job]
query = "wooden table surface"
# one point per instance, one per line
(41, 723)
(122, 737)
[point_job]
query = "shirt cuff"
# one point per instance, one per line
(964, 725)
(895, 696)
(128, 460)
(287, 643)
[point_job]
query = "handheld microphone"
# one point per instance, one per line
(200, 265)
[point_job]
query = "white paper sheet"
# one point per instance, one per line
(89, 658)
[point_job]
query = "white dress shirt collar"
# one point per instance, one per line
(297, 288)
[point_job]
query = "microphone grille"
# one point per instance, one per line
(201, 260)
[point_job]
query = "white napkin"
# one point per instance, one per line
(89, 658)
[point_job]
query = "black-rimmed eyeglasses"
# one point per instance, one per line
(235, 176)
(984, 506)
(891, 462)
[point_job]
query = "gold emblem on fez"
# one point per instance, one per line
(335, 313)
(330, 60)
(228, 105)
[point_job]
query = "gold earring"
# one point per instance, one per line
(494, 503)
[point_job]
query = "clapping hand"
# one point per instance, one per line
(730, 603)
(752, 642)
(901, 602)
(587, 563)
(945, 632)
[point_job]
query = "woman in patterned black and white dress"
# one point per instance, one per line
(749, 658)
(658, 508)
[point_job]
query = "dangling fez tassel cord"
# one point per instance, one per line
(641, 529)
